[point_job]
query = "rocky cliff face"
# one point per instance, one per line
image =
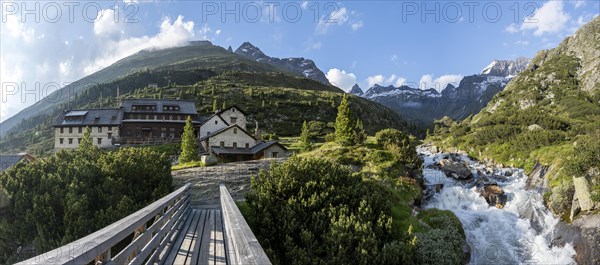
(299, 66)
(506, 67)
(356, 90)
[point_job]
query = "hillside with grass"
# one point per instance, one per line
(279, 101)
(352, 200)
(546, 120)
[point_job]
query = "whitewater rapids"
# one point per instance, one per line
(520, 233)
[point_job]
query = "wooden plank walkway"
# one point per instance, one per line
(200, 240)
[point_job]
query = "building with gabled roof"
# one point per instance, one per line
(70, 125)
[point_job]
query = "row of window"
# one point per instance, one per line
(235, 145)
(80, 129)
(156, 117)
(70, 140)
(153, 107)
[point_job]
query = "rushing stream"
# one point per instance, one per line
(521, 232)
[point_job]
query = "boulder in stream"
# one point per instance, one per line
(494, 195)
(455, 170)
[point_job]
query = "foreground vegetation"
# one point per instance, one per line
(73, 193)
(350, 201)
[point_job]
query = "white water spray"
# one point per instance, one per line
(520, 233)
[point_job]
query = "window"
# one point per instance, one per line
(99, 140)
(80, 129)
(235, 130)
(274, 154)
(109, 135)
(99, 129)
(70, 129)
(61, 140)
(247, 145)
(233, 120)
(222, 144)
(233, 110)
(155, 117)
(234, 145)
(78, 140)
(216, 122)
(70, 140)
(208, 133)
(109, 128)
(147, 117)
(61, 130)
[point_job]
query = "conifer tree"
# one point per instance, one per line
(344, 126)
(305, 143)
(188, 144)
(360, 135)
(214, 105)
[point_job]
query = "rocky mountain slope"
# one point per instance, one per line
(299, 66)
(547, 120)
(457, 102)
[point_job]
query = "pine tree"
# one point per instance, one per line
(215, 105)
(344, 126)
(360, 135)
(224, 106)
(188, 144)
(263, 104)
(305, 142)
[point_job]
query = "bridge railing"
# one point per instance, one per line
(149, 229)
(241, 245)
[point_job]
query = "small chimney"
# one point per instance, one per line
(257, 134)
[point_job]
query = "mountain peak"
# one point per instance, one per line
(250, 51)
(506, 68)
(297, 65)
(356, 90)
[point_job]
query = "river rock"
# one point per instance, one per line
(584, 235)
(455, 170)
(209, 160)
(582, 193)
(494, 195)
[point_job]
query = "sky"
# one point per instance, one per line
(45, 45)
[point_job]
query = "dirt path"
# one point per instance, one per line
(206, 180)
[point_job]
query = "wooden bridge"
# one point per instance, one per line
(168, 231)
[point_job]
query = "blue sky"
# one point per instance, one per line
(424, 44)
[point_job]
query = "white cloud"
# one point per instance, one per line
(427, 81)
(218, 31)
(550, 18)
(341, 79)
(383, 81)
(312, 46)
(357, 25)
(304, 5)
(337, 17)
(16, 29)
(578, 3)
(172, 34)
(108, 22)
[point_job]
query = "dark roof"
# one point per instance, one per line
(89, 117)
(264, 145)
(7, 161)
(245, 151)
(234, 106)
(207, 118)
(185, 106)
(225, 129)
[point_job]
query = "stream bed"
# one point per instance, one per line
(518, 232)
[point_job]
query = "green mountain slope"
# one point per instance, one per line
(541, 117)
(279, 101)
(197, 55)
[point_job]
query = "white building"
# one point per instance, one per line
(223, 119)
(70, 126)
